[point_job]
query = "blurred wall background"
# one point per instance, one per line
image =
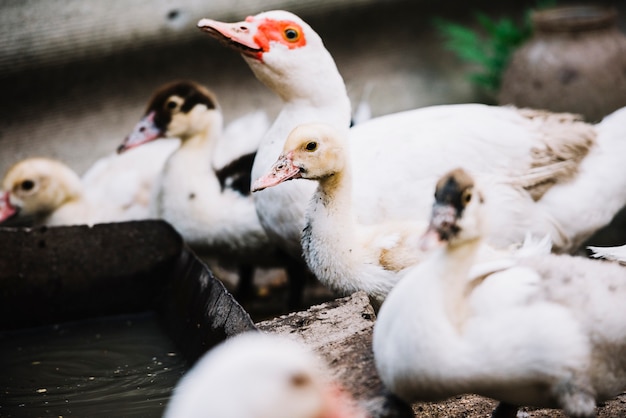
(75, 75)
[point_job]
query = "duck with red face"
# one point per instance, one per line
(551, 170)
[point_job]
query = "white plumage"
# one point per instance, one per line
(617, 253)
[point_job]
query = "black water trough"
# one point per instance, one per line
(78, 280)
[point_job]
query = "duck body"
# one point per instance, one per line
(211, 218)
(128, 181)
(405, 153)
(539, 330)
(548, 158)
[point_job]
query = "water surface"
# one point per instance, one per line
(116, 366)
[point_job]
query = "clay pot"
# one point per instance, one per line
(575, 62)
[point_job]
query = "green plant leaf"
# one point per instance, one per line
(491, 46)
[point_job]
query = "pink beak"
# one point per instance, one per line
(282, 170)
(7, 210)
(442, 226)
(145, 131)
(239, 36)
(340, 404)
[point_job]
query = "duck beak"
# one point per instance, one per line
(7, 210)
(337, 403)
(240, 36)
(145, 131)
(441, 228)
(284, 169)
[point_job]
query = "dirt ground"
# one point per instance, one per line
(472, 406)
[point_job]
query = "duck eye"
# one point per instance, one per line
(27, 185)
(467, 196)
(171, 105)
(311, 146)
(291, 34)
(300, 380)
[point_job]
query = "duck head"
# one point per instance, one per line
(284, 53)
(181, 109)
(258, 376)
(34, 188)
(312, 151)
(257, 36)
(456, 214)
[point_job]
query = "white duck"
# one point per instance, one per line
(546, 330)
(572, 173)
(43, 191)
(208, 204)
(256, 375)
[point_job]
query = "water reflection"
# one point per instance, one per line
(121, 366)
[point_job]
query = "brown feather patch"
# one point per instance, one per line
(566, 140)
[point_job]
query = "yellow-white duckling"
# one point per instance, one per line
(546, 330)
(256, 375)
(345, 255)
(44, 191)
(204, 188)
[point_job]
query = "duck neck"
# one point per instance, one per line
(330, 240)
(330, 213)
(318, 83)
(455, 262)
(334, 194)
(202, 142)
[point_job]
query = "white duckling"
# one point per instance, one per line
(546, 330)
(573, 172)
(208, 204)
(256, 375)
(43, 191)
(344, 255)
